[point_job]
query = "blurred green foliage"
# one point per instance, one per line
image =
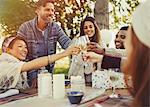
(120, 12)
(14, 12)
(68, 12)
(61, 70)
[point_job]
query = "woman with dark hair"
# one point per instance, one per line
(13, 65)
(90, 28)
(137, 64)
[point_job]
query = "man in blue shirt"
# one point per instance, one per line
(42, 34)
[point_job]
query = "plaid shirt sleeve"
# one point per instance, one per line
(63, 39)
(22, 30)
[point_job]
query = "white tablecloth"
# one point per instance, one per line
(49, 102)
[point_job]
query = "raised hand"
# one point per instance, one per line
(92, 57)
(72, 50)
(95, 47)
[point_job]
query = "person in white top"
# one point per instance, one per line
(13, 65)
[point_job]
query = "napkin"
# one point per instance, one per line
(9, 92)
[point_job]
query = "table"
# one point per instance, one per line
(49, 102)
(105, 101)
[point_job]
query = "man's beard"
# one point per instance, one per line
(47, 19)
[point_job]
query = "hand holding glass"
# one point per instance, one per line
(81, 42)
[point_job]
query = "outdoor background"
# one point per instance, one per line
(109, 14)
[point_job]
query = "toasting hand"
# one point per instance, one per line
(92, 57)
(72, 50)
(95, 47)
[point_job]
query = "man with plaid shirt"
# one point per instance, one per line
(42, 34)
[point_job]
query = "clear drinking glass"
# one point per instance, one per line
(83, 40)
(75, 43)
(114, 77)
(82, 43)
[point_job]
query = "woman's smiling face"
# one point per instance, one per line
(89, 28)
(19, 50)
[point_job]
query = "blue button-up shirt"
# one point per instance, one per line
(42, 43)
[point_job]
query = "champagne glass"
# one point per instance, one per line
(75, 43)
(83, 40)
(82, 43)
(114, 77)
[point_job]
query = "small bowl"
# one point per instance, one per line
(75, 97)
